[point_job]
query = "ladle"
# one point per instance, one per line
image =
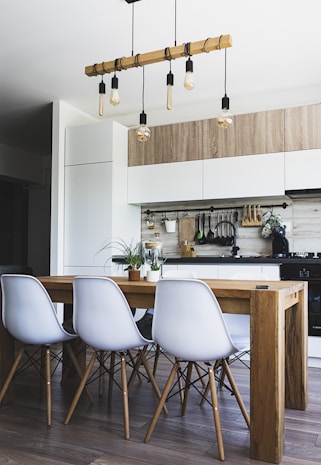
(210, 234)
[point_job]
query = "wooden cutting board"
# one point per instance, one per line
(186, 230)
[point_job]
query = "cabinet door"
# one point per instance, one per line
(88, 205)
(90, 143)
(302, 169)
(247, 176)
(302, 128)
(166, 182)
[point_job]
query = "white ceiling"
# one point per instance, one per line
(274, 61)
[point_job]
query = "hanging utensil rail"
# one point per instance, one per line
(209, 209)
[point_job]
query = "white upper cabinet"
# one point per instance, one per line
(165, 182)
(302, 169)
(245, 176)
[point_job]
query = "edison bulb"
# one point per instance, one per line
(170, 83)
(225, 120)
(143, 133)
(101, 103)
(114, 97)
(189, 82)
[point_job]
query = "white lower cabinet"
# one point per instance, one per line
(226, 271)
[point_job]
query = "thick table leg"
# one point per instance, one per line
(267, 377)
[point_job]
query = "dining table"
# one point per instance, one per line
(279, 340)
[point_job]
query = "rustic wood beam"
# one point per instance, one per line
(169, 53)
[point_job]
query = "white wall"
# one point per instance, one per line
(63, 115)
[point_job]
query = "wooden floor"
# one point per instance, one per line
(95, 433)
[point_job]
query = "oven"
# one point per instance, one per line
(304, 270)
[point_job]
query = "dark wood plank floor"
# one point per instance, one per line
(95, 433)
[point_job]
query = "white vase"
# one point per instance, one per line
(153, 275)
(170, 226)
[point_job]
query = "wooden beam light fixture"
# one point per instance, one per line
(156, 56)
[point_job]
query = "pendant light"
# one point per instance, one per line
(114, 94)
(102, 92)
(143, 131)
(224, 119)
(170, 83)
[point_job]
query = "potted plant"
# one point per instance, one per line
(154, 273)
(132, 254)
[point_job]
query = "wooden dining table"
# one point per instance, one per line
(278, 375)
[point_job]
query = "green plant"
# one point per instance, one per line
(157, 264)
(131, 252)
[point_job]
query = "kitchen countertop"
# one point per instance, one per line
(217, 260)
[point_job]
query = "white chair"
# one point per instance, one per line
(172, 274)
(30, 317)
(104, 321)
(239, 325)
(188, 323)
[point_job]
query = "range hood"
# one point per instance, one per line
(304, 193)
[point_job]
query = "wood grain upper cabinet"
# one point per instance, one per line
(255, 133)
(302, 128)
(250, 134)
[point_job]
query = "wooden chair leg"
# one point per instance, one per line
(199, 374)
(162, 401)
(236, 392)
(111, 376)
(216, 413)
(76, 365)
(11, 373)
(101, 373)
(187, 386)
(125, 396)
(156, 358)
(48, 385)
(80, 389)
(151, 376)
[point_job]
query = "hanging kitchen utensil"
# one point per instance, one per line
(216, 239)
(210, 235)
(223, 231)
(198, 234)
(202, 239)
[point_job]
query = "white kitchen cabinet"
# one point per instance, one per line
(244, 176)
(165, 182)
(96, 208)
(302, 169)
(202, 271)
(272, 272)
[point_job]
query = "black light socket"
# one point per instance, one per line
(170, 79)
(189, 65)
(225, 103)
(143, 119)
(102, 87)
(114, 82)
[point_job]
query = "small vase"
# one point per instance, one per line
(133, 275)
(153, 276)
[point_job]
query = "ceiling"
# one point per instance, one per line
(45, 46)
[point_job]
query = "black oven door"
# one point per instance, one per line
(314, 308)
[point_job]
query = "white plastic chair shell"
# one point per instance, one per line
(188, 322)
(28, 312)
(102, 316)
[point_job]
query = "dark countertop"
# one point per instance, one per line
(220, 260)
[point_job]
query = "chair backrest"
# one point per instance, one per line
(179, 274)
(28, 312)
(188, 322)
(102, 316)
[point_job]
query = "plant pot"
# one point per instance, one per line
(153, 276)
(133, 275)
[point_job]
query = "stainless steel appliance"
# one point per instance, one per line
(304, 270)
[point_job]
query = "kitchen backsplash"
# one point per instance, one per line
(302, 219)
